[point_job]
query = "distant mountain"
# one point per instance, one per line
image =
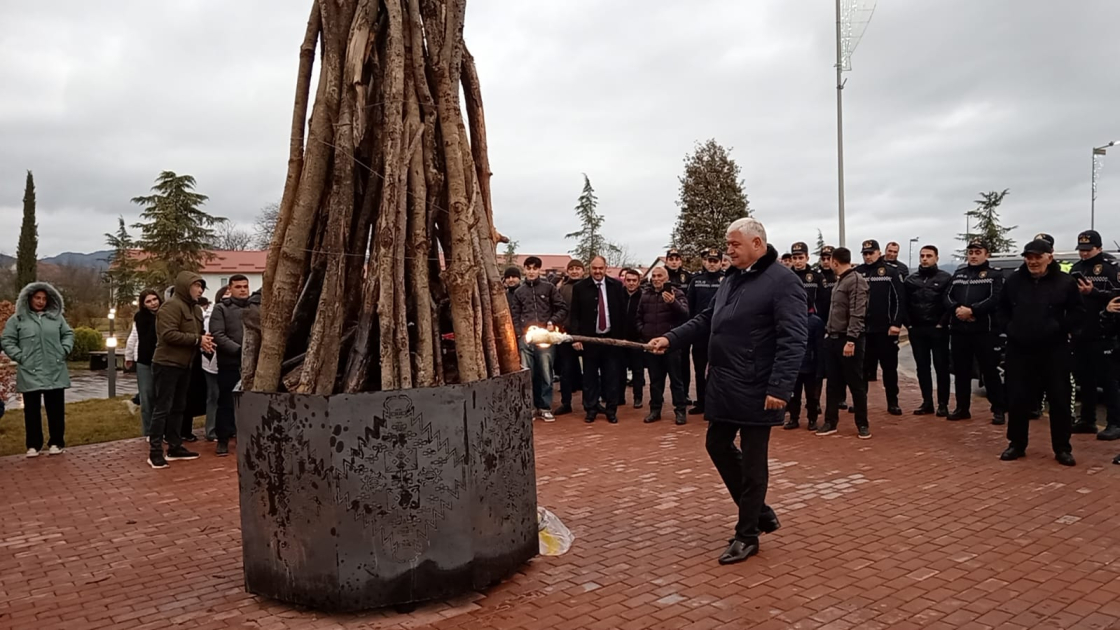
(95, 260)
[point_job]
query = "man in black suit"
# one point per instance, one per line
(598, 311)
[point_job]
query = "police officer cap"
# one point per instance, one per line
(978, 244)
(799, 248)
(1088, 240)
(1038, 246)
(714, 253)
(1044, 237)
(827, 250)
(673, 252)
(870, 245)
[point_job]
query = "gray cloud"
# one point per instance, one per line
(946, 99)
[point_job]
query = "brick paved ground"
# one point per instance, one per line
(921, 526)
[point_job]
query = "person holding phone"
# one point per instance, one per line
(1097, 277)
(662, 308)
(180, 337)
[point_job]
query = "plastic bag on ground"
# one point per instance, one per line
(555, 538)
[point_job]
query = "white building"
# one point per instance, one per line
(225, 264)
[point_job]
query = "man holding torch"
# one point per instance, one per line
(757, 323)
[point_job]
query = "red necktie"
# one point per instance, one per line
(602, 308)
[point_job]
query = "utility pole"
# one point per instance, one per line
(840, 122)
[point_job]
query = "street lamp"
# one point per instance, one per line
(1098, 152)
(910, 258)
(111, 345)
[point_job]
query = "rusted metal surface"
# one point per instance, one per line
(360, 501)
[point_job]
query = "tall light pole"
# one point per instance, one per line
(852, 17)
(910, 259)
(111, 346)
(1098, 152)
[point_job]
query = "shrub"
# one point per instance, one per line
(86, 340)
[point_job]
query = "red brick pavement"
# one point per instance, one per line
(921, 526)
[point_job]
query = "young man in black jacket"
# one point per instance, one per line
(927, 327)
(633, 359)
(1098, 278)
(680, 278)
(972, 300)
(537, 302)
(228, 332)
(597, 311)
(701, 289)
(1042, 308)
(886, 314)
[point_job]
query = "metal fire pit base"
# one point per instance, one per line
(354, 502)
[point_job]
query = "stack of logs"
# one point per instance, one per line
(385, 243)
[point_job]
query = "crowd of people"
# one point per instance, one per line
(1031, 335)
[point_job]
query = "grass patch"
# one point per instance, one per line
(87, 422)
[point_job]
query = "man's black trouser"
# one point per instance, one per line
(635, 361)
(1041, 368)
(171, 387)
(1092, 369)
(983, 348)
(600, 378)
(845, 372)
(571, 375)
(745, 473)
(810, 384)
(55, 402)
(882, 349)
(226, 425)
(686, 369)
(700, 362)
(660, 366)
(931, 343)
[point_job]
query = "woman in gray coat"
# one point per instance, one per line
(38, 339)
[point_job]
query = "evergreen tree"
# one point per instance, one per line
(591, 242)
(984, 223)
(510, 255)
(175, 232)
(123, 276)
(820, 244)
(27, 254)
(711, 198)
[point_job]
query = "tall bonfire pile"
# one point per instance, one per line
(385, 246)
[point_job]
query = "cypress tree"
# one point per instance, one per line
(27, 255)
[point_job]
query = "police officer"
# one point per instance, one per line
(972, 301)
(886, 314)
(1097, 278)
(680, 278)
(810, 278)
(701, 290)
(1041, 306)
(929, 338)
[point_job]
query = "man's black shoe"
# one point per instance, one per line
(1083, 427)
(1065, 459)
(999, 419)
(769, 525)
(180, 452)
(943, 411)
(738, 551)
(1110, 433)
(1011, 454)
(960, 414)
(826, 429)
(864, 433)
(851, 409)
(590, 418)
(653, 416)
(813, 426)
(600, 408)
(637, 402)
(688, 402)
(222, 449)
(894, 410)
(843, 404)
(190, 438)
(562, 410)
(924, 410)
(680, 417)
(791, 424)
(698, 410)
(613, 419)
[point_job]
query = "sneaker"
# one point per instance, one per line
(32, 452)
(180, 453)
(222, 449)
(547, 416)
(156, 460)
(813, 426)
(865, 433)
(827, 429)
(55, 450)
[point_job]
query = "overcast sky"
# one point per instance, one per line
(945, 99)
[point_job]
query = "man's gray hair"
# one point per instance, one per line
(748, 227)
